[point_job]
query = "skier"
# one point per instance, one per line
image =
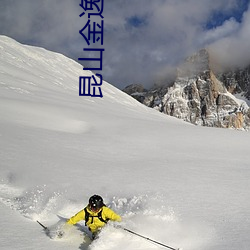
(95, 214)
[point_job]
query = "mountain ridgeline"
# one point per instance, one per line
(201, 95)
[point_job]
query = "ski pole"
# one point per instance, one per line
(45, 228)
(146, 238)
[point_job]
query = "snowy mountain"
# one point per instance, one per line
(201, 96)
(182, 185)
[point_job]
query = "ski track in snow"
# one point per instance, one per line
(145, 214)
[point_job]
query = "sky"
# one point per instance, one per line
(144, 40)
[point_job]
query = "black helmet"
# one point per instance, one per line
(96, 202)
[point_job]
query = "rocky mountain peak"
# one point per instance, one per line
(202, 97)
(196, 64)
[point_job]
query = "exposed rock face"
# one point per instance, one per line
(134, 88)
(237, 81)
(137, 91)
(199, 97)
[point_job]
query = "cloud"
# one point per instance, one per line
(143, 39)
(233, 49)
(228, 28)
(47, 22)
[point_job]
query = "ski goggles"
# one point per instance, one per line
(94, 208)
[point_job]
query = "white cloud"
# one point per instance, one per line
(233, 50)
(170, 31)
(228, 28)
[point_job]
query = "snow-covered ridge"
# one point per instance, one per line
(41, 77)
(35, 66)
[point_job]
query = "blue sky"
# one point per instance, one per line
(218, 17)
(144, 40)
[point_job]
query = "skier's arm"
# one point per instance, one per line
(77, 217)
(110, 214)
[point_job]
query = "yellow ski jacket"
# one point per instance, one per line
(94, 223)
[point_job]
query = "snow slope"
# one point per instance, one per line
(176, 183)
